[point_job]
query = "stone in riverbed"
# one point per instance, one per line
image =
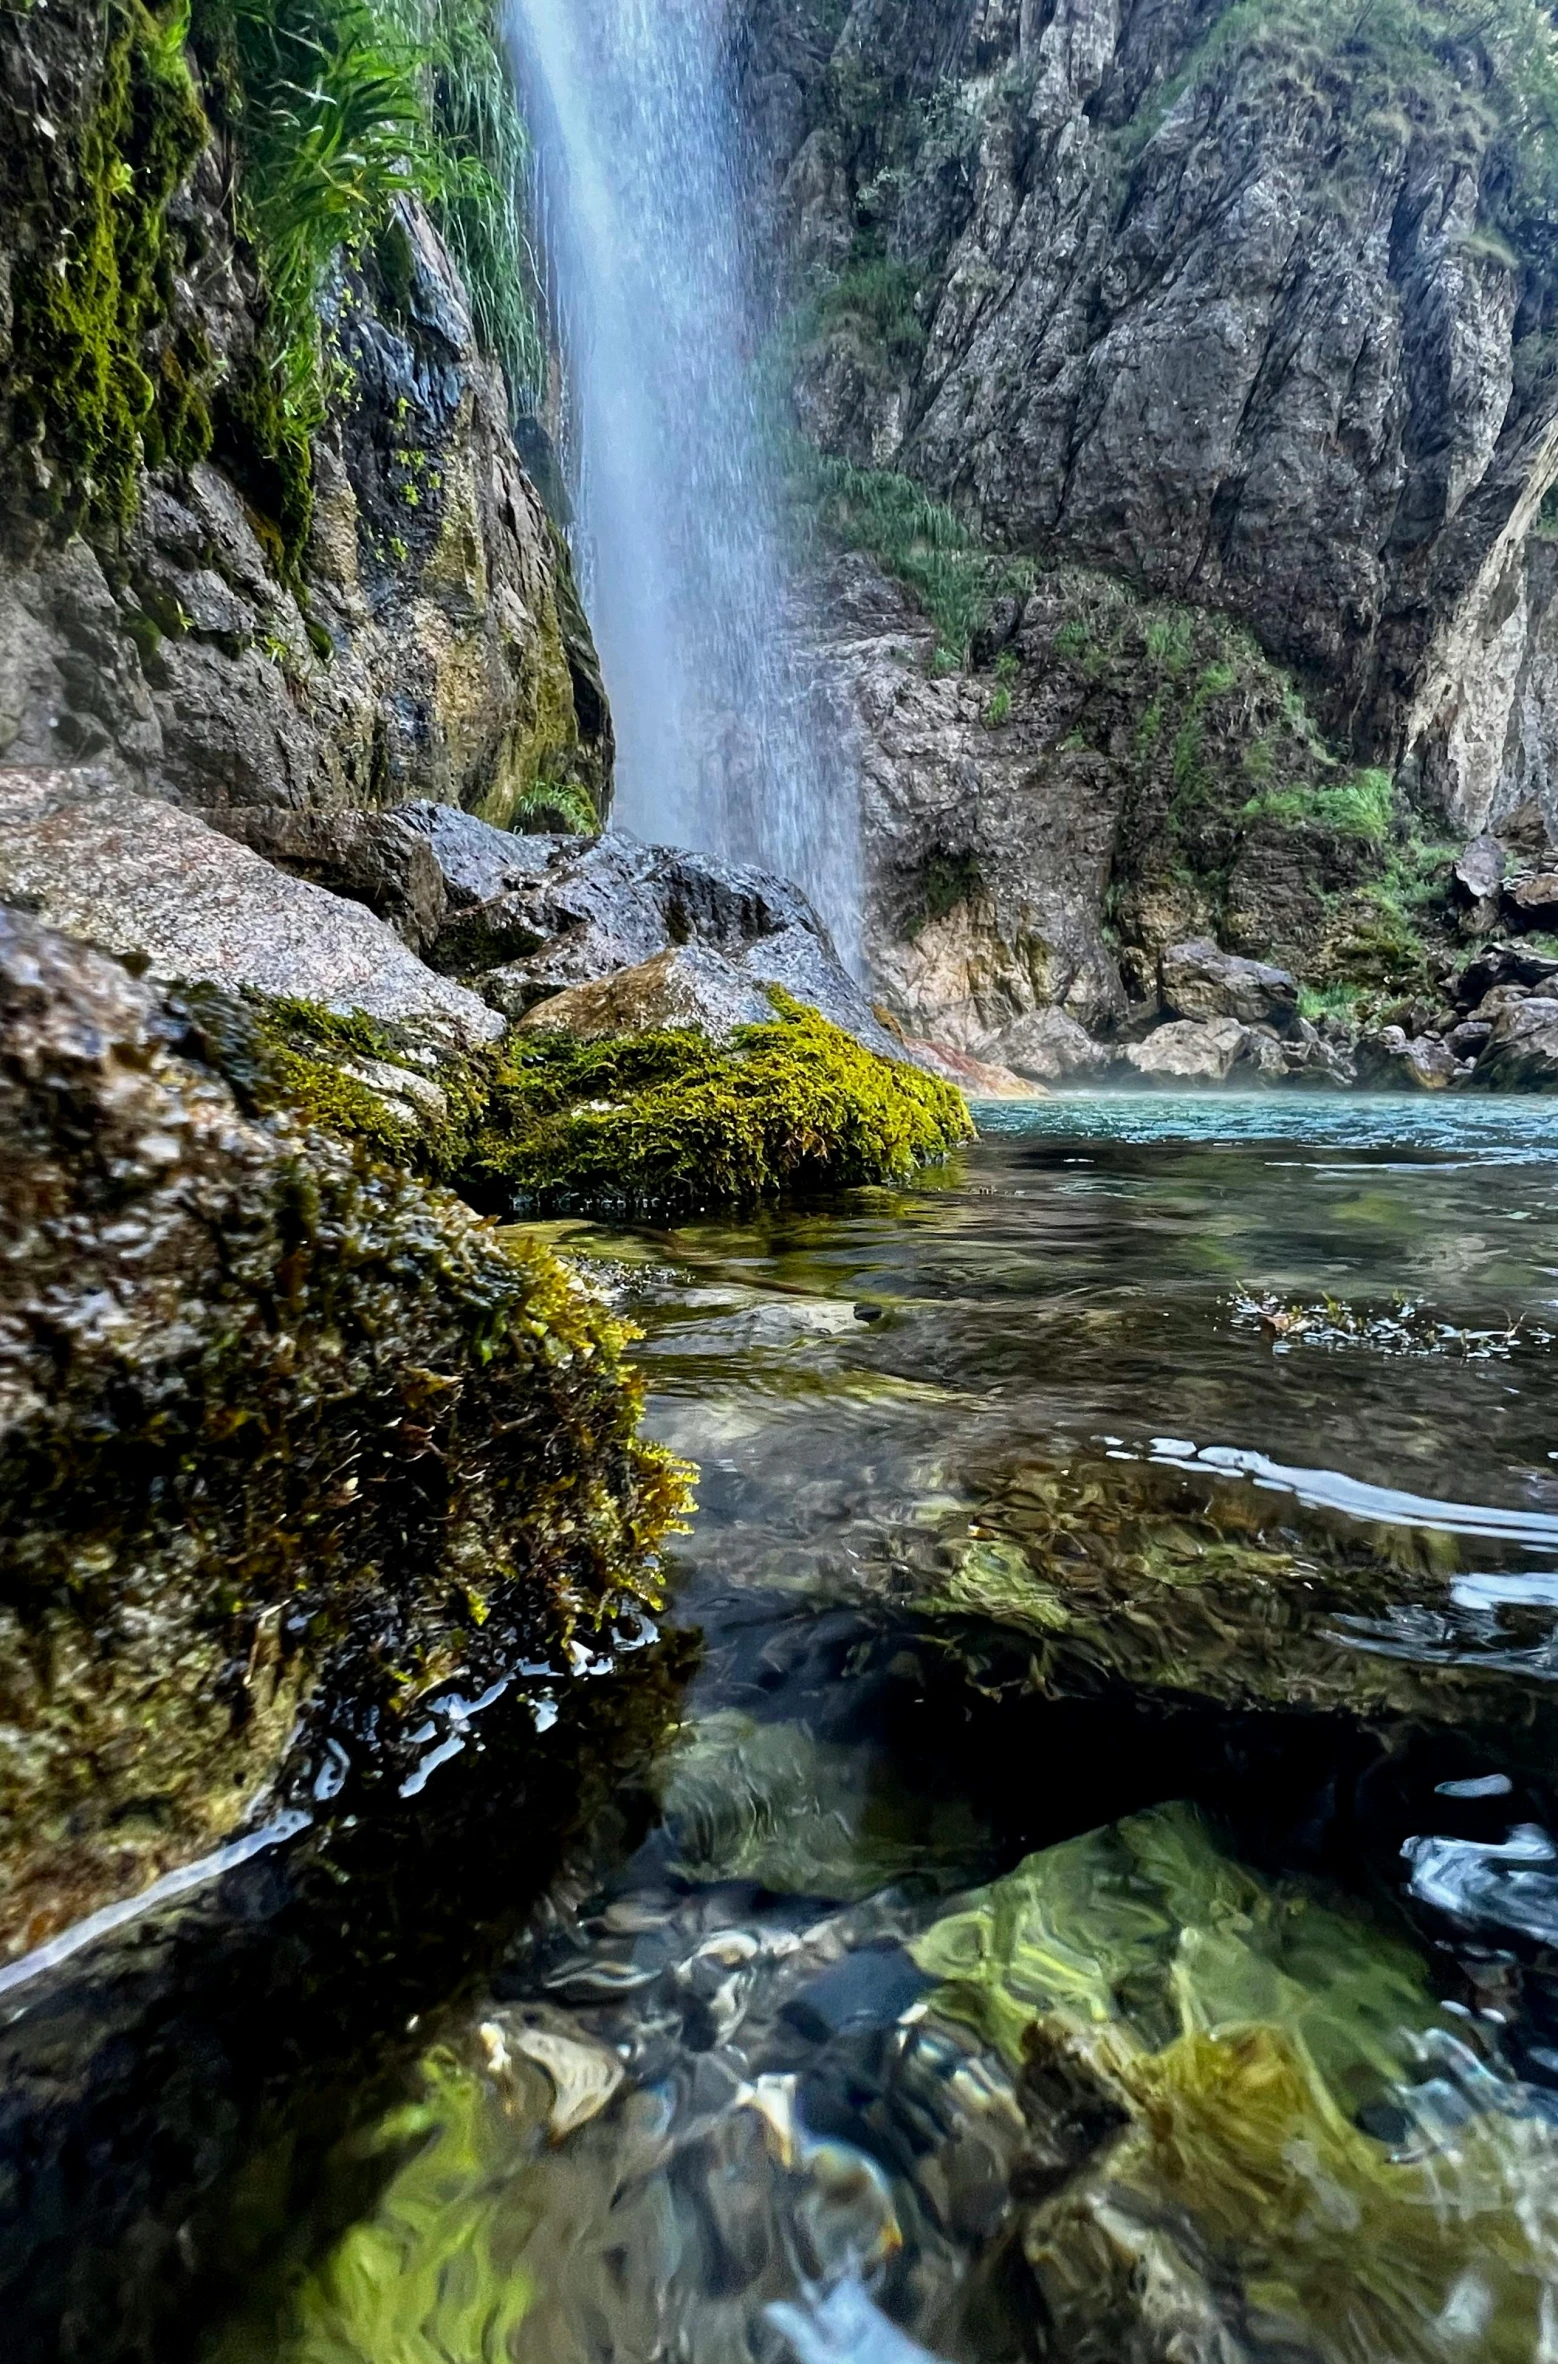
(1188, 1050)
(1394, 1061)
(274, 1422)
(142, 878)
(1197, 980)
(476, 860)
(562, 912)
(1050, 1046)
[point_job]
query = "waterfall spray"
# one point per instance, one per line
(722, 741)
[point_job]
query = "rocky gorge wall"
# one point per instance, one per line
(1240, 318)
(356, 600)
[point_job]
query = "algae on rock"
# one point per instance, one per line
(666, 1118)
(276, 1424)
(1246, 2036)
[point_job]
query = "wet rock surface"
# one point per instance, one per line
(683, 986)
(1521, 1051)
(1197, 980)
(367, 857)
(281, 1430)
(421, 636)
(1188, 1050)
(534, 918)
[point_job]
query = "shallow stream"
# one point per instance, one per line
(1095, 1898)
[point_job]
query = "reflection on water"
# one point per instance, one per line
(1099, 1902)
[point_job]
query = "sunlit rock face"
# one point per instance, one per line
(1245, 312)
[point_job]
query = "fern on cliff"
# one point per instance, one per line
(338, 109)
(920, 542)
(480, 154)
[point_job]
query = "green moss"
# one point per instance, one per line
(379, 1447)
(665, 1118)
(545, 776)
(943, 881)
(296, 1054)
(87, 391)
(670, 1118)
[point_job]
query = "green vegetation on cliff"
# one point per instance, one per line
(328, 113)
(338, 109)
(1479, 74)
(98, 376)
(921, 543)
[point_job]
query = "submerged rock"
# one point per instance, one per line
(147, 880)
(279, 1429)
(1244, 2038)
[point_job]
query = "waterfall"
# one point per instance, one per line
(723, 742)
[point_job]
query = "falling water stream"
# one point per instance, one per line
(723, 742)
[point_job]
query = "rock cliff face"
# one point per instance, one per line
(168, 606)
(1228, 329)
(1251, 306)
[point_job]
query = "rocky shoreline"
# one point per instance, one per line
(1219, 1019)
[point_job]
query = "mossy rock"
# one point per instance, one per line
(98, 384)
(661, 1119)
(669, 1118)
(281, 1429)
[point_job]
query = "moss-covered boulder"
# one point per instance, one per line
(281, 1429)
(663, 1118)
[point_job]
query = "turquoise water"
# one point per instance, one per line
(1094, 1893)
(1490, 1126)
